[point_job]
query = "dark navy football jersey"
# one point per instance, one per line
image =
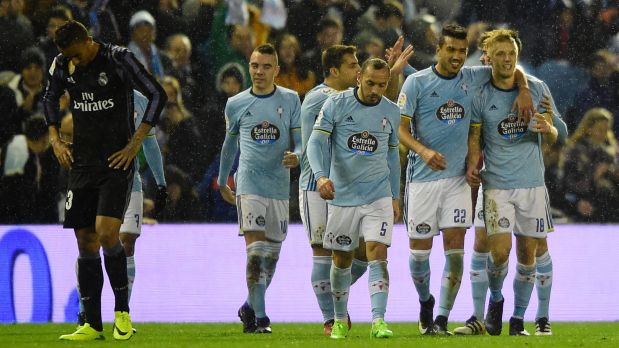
(101, 100)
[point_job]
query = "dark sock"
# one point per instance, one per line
(116, 267)
(90, 279)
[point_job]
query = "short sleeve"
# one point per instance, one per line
(232, 119)
(325, 120)
(407, 101)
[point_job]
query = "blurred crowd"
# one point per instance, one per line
(199, 50)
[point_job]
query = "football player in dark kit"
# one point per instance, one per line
(100, 79)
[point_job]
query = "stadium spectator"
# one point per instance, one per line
(330, 33)
(28, 85)
(16, 33)
(57, 16)
(294, 72)
(183, 204)
(142, 44)
(177, 62)
(423, 33)
(590, 166)
(386, 22)
(29, 175)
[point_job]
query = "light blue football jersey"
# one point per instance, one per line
(263, 124)
(360, 137)
(512, 154)
(139, 107)
(440, 111)
(310, 108)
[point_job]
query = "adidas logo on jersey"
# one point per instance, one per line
(493, 107)
(434, 94)
(248, 114)
(349, 119)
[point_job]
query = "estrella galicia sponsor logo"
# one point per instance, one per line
(260, 221)
(363, 143)
(423, 228)
(512, 127)
(450, 112)
(343, 240)
(504, 222)
(102, 80)
(265, 133)
(480, 215)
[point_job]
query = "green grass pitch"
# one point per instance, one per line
(151, 335)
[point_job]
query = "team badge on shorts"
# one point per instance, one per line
(423, 228)
(480, 215)
(504, 222)
(343, 240)
(260, 221)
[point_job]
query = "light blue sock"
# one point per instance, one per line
(419, 264)
(523, 287)
(358, 269)
(450, 283)
(378, 282)
(340, 288)
(256, 278)
(479, 282)
(321, 282)
(496, 277)
(543, 283)
(271, 256)
(130, 274)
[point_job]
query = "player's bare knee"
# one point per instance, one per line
(318, 250)
(128, 242)
(542, 247)
(481, 244)
(254, 236)
(421, 244)
(376, 251)
(342, 259)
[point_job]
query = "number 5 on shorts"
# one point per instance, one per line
(383, 229)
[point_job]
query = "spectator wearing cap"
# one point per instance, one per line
(143, 33)
(29, 174)
(28, 84)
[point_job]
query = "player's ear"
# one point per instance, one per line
(333, 71)
(359, 77)
(276, 71)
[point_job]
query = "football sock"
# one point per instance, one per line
(340, 288)
(543, 283)
(378, 282)
(450, 283)
(321, 282)
(358, 269)
(496, 277)
(523, 287)
(256, 278)
(130, 275)
(116, 268)
(479, 282)
(90, 280)
(271, 255)
(419, 264)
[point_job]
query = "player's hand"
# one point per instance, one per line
(396, 210)
(227, 194)
(397, 58)
(473, 178)
(161, 199)
(546, 104)
(63, 153)
(123, 158)
(540, 124)
(524, 105)
(434, 160)
(291, 160)
(325, 188)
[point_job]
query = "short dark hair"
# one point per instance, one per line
(452, 30)
(69, 33)
(234, 73)
(333, 57)
(329, 22)
(388, 9)
(376, 64)
(35, 127)
(32, 55)
(267, 48)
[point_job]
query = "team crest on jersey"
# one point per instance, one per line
(280, 111)
(504, 222)
(363, 143)
(265, 133)
(465, 88)
(102, 80)
(450, 112)
(480, 215)
(402, 100)
(423, 228)
(511, 127)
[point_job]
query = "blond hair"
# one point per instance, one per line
(590, 118)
